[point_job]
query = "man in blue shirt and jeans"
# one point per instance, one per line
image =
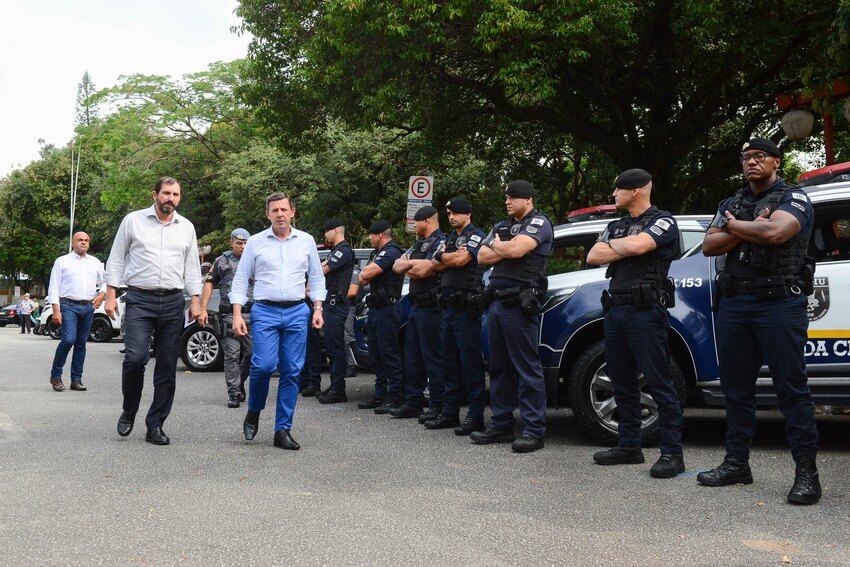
(280, 259)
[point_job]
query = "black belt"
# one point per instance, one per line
(616, 298)
(76, 302)
(156, 292)
(283, 304)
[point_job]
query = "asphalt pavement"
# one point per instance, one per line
(372, 490)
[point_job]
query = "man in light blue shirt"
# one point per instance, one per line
(280, 259)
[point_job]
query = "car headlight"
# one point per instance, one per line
(557, 297)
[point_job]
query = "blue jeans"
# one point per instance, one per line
(76, 324)
(280, 340)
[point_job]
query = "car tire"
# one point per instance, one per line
(101, 330)
(201, 349)
(54, 331)
(592, 398)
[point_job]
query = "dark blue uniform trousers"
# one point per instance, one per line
(462, 363)
(422, 360)
(383, 327)
(311, 373)
(280, 340)
(148, 315)
(335, 316)
(751, 332)
(636, 342)
(516, 374)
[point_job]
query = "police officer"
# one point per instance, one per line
(422, 339)
(338, 269)
(237, 350)
(462, 301)
(764, 232)
(354, 294)
(518, 248)
(384, 319)
(310, 378)
(638, 250)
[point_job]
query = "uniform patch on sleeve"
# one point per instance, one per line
(532, 229)
(662, 224)
(656, 230)
(799, 206)
(799, 196)
(475, 237)
(338, 254)
(473, 243)
(537, 221)
(380, 255)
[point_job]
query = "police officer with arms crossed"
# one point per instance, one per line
(422, 339)
(337, 269)
(280, 259)
(384, 318)
(155, 253)
(764, 232)
(519, 248)
(237, 350)
(460, 332)
(638, 250)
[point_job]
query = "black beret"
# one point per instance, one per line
(379, 226)
(764, 145)
(333, 223)
(632, 179)
(459, 205)
(520, 189)
(425, 213)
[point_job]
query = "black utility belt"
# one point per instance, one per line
(156, 292)
(504, 295)
(423, 298)
(282, 304)
(765, 287)
(76, 301)
(641, 296)
(460, 299)
(373, 300)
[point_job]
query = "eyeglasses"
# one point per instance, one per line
(759, 157)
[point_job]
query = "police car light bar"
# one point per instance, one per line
(591, 213)
(829, 174)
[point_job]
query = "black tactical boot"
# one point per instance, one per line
(806, 489)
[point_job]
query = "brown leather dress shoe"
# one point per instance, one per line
(78, 386)
(57, 384)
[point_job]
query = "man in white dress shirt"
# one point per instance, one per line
(155, 253)
(280, 259)
(76, 289)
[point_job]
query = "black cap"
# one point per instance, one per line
(379, 226)
(459, 205)
(764, 145)
(333, 223)
(425, 213)
(632, 179)
(520, 189)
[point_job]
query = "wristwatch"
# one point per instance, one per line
(722, 224)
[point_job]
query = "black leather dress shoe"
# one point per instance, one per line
(370, 404)
(242, 391)
(527, 444)
(469, 426)
(251, 424)
(405, 411)
(728, 472)
(442, 422)
(385, 407)
(284, 440)
(619, 456)
(125, 423)
(429, 414)
(806, 489)
(491, 435)
(668, 466)
(233, 402)
(157, 436)
(310, 391)
(332, 397)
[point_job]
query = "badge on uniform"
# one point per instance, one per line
(425, 246)
(799, 196)
(662, 224)
(799, 206)
(460, 241)
(532, 230)
(475, 237)
(537, 221)
(515, 229)
(338, 254)
(381, 253)
(656, 230)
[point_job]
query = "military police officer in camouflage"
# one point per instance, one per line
(638, 249)
(764, 230)
(518, 248)
(237, 350)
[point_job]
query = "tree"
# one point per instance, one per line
(674, 87)
(87, 111)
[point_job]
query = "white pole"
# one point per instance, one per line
(75, 181)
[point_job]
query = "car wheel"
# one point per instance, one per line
(592, 398)
(101, 330)
(201, 350)
(54, 330)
